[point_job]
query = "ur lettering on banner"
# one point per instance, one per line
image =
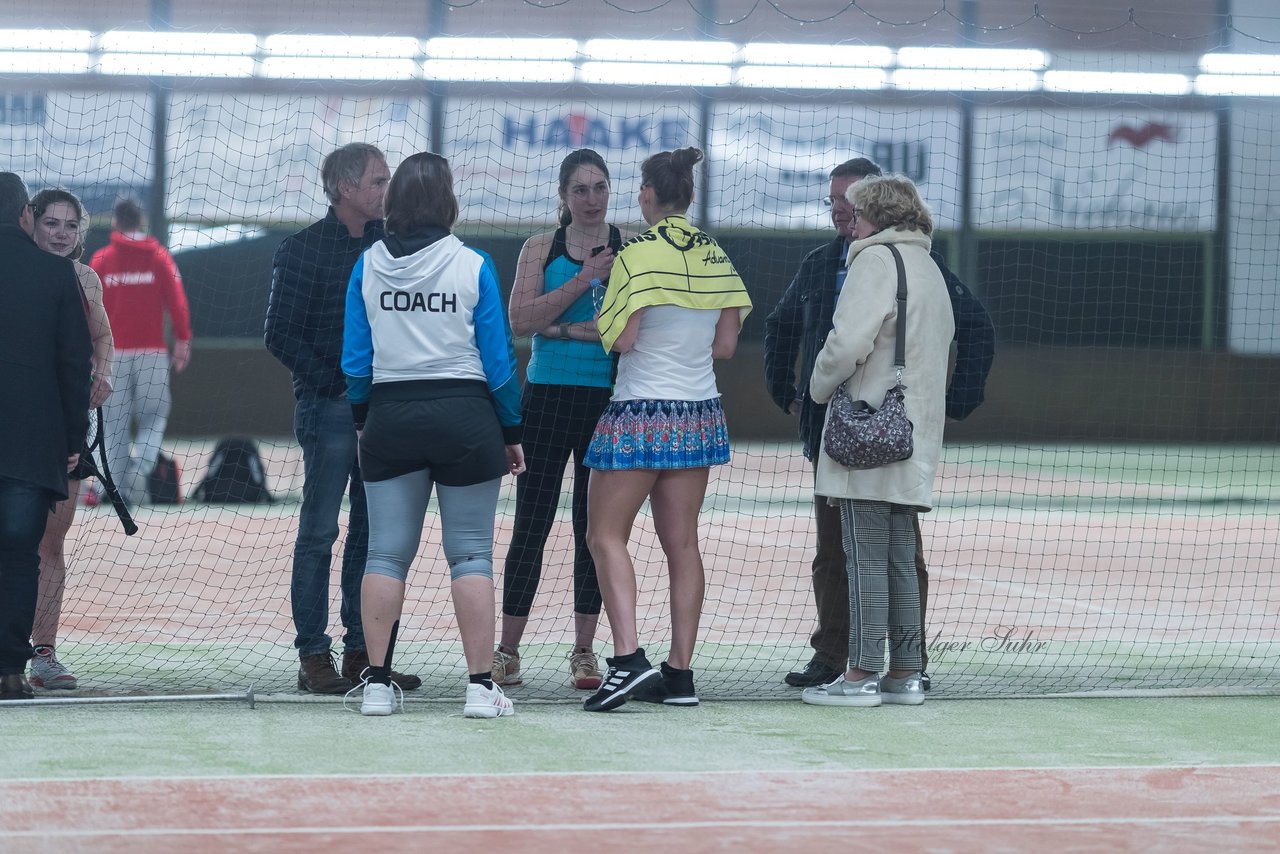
(770, 164)
(1094, 169)
(506, 154)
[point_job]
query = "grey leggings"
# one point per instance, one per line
(884, 597)
(397, 508)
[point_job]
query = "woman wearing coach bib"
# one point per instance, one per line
(878, 506)
(674, 303)
(560, 277)
(431, 376)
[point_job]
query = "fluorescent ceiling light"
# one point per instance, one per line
(338, 68)
(1238, 84)
(43, 62)
(498, 71)
(655, 74)
(1240, 63)
(1117, 82)
(565, 50)
(63, 40)
(971, 58)
(954, 80)
(175, 65)
(640, 50)
(222, 44)
(371, 47)
(817, 55)
(797, 77)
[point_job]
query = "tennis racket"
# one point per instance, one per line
(95, 441)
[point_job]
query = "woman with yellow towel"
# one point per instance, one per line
(674, 304)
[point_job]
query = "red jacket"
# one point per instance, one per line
(140, 283)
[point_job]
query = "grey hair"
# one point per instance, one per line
(346, 164)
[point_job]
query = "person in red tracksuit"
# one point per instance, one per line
(141, 285)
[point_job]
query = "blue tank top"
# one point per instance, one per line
(554, 361)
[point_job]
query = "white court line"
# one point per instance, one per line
(1024, 590)
(824, 773)
(560, 827)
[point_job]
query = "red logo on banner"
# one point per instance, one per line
(577, 123)
(1138, 137)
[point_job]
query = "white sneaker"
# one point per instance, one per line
(378, 700)
(485, 702)
(49, 673)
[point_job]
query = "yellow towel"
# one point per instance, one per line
(673, 263)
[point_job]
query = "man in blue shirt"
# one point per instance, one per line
(797, 328)
(309, 279)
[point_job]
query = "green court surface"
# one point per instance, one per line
(320, 738)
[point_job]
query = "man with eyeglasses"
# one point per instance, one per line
(797, 328)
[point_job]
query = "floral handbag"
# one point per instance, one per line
(860, 436)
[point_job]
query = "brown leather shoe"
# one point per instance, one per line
(14, 686)
(318, 675)
(355, 661)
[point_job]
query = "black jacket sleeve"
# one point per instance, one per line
(975, 346)
(74, 362)
(783, 329)
(287, 331)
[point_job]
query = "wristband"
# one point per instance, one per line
(564, 332)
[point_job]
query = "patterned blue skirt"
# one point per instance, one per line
(660, 434)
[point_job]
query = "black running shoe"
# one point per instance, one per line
(674, 689)
(620, 682)
(815, 673)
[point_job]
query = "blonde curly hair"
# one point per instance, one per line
(891, 201)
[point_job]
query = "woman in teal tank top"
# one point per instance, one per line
(559, 281)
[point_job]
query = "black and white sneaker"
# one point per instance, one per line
(621, 682)
(674, 689)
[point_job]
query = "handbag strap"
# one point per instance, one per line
(900, 344)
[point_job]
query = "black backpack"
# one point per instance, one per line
(164, 484)
(235, 475)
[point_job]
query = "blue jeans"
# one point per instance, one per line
(24, 511)
(327, 434)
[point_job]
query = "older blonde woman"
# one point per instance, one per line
(878, 506)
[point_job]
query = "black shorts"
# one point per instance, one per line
(81, 471)
(450, 428)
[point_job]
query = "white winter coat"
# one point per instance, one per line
(860, 350)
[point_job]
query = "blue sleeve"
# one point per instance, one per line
(357, 343)
(975, 346)
(497, 352)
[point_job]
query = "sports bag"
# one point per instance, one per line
(860, 436)
(235, 476)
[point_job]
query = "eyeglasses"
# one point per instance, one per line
(834, 201)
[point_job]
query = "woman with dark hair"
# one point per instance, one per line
(892, 231)
(431, 376)
(60, 226)
(560, 276)
(674, 304)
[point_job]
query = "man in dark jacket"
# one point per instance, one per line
(798, 327)
(304, 322)
(46, 350)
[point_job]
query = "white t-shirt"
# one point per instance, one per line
(671, 359)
